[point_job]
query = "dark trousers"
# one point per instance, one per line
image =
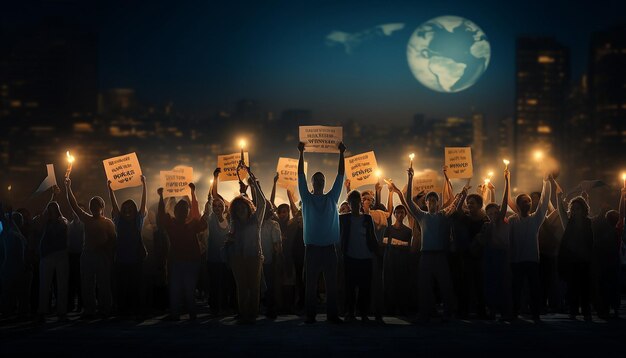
(608, 289)
(221, 294)
(358, 276)
(270, 294)
(397, 280)
(522, 271)
(550, 291)
(74, 297)
(318, 260)
(129, 288)
(467, 278)
(578, 287)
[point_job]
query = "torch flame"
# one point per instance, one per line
(242, 143)
(70, 158)
(412, 156)
(506, 162)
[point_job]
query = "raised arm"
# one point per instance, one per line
(161, 214)
(546, 192)
(292, 202)
(505, 195)
(510, 200)
(560, 204)
(115, 209)
(194, 213)
(457, 204)
(413, 209)
(260, 197)
(341, 170)
(447, 195)
(273, 194)
(301, 158)
(143, 209)
(72, 200)
(393, 189)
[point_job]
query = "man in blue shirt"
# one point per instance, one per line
(321, 233)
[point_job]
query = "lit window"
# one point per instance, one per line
(531, 101)
(545, 59)
(16, 103)
(544, 129)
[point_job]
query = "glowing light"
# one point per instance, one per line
(242, 143)
(487, 181)
(70, 158)
(411, 157)
(624, 179)
(490, 174)
(379, 173)
(9, 188)
(538, 155)
(506, 163)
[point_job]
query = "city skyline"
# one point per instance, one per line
(198, 61)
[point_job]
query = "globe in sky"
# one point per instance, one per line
(448, 53)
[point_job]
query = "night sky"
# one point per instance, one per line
(204, 56)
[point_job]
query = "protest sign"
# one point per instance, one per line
(426, 181)
(321, 139)
(175, 182)
(361, 169)
(228, 163)
(49, 181)
(459, 162)
(123, 171)
(287, 170)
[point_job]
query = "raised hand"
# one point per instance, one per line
(301, 147)
(193, 187)
(276, 177)
(143, 179)
(217, 172)
(109, 184)
(68, 182)
(160, 192)
(342, 147)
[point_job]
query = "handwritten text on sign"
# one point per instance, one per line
(123, 171)
(321, 139)
(175, 182)
(228, 163)
(287, 170)
(426, 181)
(361, 169)
(459, 162)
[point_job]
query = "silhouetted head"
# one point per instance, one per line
(283, 212)
(181, 210)
(354, 199)
(578, 208)
(612, 217)
(474, 203)
(241, 209)
(269, 210)
(18, 219)
(96, 206)
(344, 208)
(432, 202)
(399, 212)
(54, 212)
(218, 207)
(129, 210)
(318, 180)
(523, 202)
(368, 199)
(492, 210)
(535, 196)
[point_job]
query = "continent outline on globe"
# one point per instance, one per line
(448, 53)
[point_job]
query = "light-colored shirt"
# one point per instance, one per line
(524, 236)
(381, 220)
(319, 213)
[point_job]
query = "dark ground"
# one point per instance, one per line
(557, 337)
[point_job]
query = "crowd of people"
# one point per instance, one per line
(529, 255)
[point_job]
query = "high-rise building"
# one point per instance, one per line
(579, 145)
(48, 74)
(542, 77)
(607, 95)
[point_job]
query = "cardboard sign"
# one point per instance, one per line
(123, 171)
(321, 139)
(50, 181)
(459, 162)
(287, 170)
(426, 181)
(361, 169)
(228, 163)
(175, 182)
